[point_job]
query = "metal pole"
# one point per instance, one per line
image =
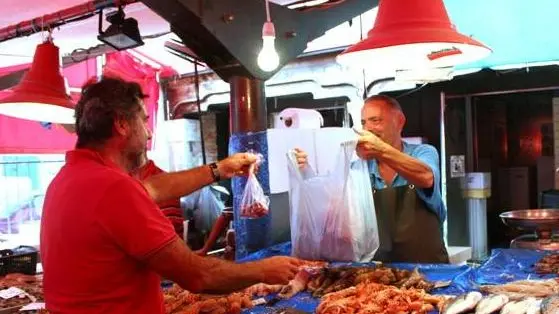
(443, 158)
(248, 105)
(470, 151)
(197, 89)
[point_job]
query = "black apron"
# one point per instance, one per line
(408, 231)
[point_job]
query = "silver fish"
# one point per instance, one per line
(535, 307)
(463, 304)
(491, 303)
(518, 307)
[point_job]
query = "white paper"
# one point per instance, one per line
(11, 292)
(33, 307)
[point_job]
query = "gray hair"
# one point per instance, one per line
(101, 104)
(391, 102)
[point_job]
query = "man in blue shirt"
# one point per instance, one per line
(406, 186)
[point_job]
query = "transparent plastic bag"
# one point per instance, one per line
(208, 210)
(254, 203)
(333, 216)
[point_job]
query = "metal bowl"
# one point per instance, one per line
(538, 220)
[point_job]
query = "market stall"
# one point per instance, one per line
(510, 281)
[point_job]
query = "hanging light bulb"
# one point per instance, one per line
(268, 58)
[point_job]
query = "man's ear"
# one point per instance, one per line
(121, 127)
(401, 120)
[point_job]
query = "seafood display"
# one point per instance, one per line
(379, 299)
(475, 302)
(462, 304)
(179, 301)
(334, 279)
(31, 285)
(549, 264)
(518, 290)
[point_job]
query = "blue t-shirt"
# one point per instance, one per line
(428, 155)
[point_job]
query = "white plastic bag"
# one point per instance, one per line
(333, 216)
(208, 210)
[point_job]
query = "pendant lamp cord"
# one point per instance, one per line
(268, 19)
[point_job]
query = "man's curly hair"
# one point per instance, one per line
(101, 104)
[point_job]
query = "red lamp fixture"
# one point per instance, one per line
(412, 35)
(41, 95)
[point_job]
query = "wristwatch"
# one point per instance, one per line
(215, 172)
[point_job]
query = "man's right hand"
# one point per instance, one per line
(278, 270)
(301, 157)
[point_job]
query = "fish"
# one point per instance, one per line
(491, 303)
(550, 305)
(518, 290)
(535, 307)
(463, 304)
(519, 307)
(296, 285)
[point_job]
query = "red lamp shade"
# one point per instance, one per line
(412, 35)
(41, 94)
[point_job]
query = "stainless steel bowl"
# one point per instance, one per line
(542, 221)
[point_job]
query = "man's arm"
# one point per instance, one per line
(412, 169)
(166, 186)
(178, 263)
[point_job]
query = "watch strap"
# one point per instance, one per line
(215, 171)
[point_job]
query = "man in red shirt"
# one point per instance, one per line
(171, 208)
(104, 242)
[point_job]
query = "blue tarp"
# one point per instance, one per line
(503, 266)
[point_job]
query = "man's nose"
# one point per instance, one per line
(150, 134)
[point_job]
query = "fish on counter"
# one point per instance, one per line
(519, 290)
(491, 304)
(550, 305)
(262, 289)
(296, 285)
(521, 307)
(462, 304)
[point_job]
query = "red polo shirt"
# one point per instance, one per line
(98, 225)
(172, 208)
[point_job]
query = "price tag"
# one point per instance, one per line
(33, 307)
(11, 292)
(258, 301)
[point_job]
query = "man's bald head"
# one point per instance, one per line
(383, 116)
(387, 100)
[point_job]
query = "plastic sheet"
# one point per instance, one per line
(504, 265)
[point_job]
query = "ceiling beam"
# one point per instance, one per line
(227, 35)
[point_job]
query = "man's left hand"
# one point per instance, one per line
(369, 146)
(237, 165)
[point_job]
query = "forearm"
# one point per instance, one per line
(197, 274)
(413, 170)
(225, 277)
(167, 186)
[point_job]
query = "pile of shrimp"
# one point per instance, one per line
(374, 298)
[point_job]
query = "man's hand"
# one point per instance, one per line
(301, 158)
(236, 165)
(279, 269)
(370, 146)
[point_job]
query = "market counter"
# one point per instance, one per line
(504, 266)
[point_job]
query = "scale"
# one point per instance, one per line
(539, 224)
